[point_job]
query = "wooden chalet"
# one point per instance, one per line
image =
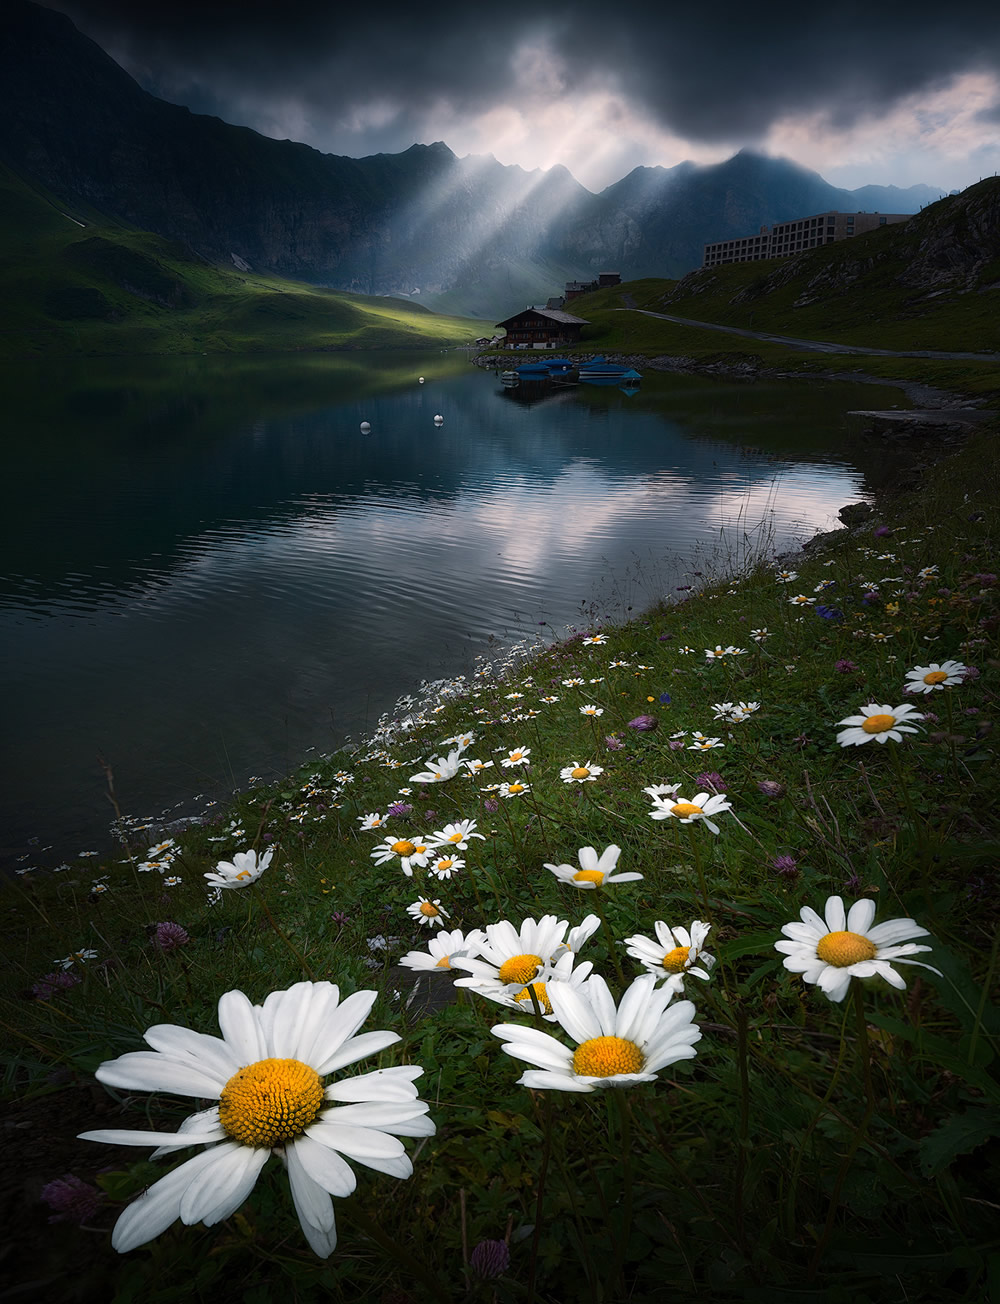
(542, 328)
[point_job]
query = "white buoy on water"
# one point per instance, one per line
(439, 420)
(420, 381)
(366, 427)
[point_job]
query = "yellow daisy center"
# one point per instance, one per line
(589, 876)
(935, 676)
(444, 962)
(603, 1057)
(515, 787)
(403, 848)
(446, 863)
(843, 949)
(675, 960)
(429, 910)
(455, 837)
(580, 772)
(270, 1102)
(520, 968)
(516, 756)
(685, 808)
(544, 1004)
(878, 723)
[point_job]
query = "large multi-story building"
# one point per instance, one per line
(791, 237)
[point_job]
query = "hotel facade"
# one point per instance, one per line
(786, 238)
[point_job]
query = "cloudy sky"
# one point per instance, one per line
(884, 92)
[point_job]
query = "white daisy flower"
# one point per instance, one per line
(477, 766)
(590, 709)
(786, 577)
(513, 789)
(619, 665)
(831, 951)
(244, 869)
(801, 600)
(153, 853)
(76, 957)
(442, 948)
(716, 653)
(266, 1073)
(171, 881)
(925, 679)
(759, 635)
(593, 639)
(440, 769)
(427, 913)
(675, 954)
(572, 683)
(577, 773)
(408, 853)
(879, 724)
(579, 935)
(615, 1047)
(549, 698)
(700, 807)
(565, 972)
(445, 866)
(705, 744)
(927, 572)
(456, 836)
(519, 756)
(512, 957)
(373, 820)
(593, 872)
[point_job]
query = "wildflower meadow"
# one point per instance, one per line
(654, 961)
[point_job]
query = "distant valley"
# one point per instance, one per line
(464, 236)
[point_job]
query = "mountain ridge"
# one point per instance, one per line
(485, 236)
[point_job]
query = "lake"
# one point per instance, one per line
(209, 569)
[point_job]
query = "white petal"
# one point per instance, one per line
(632, 1008)
(209, 1054)
(327, 1169)
(896, 930)
(289, 1022)
(366, 1146)
(575, 1013)
(543, 1080)
(834, 982)
(216, 1192)
(860, 916)
(159, 1206)
(313, 1205)
(117, 1136)
(547, 1054)
(378, 1084)
(341, 1024)
(239, 1026)
(383, 1116)
(836, 917)
(357, 1048)
(149, 1070)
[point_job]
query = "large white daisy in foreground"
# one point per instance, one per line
(675, 954)
(266, 1071)
(241, 871)
(877, 723)
(615, 1047)
(594, 872)
(831, 951)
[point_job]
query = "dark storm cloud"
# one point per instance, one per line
(705, 71)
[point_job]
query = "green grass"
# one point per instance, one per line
(800, 1156)
(77, 282)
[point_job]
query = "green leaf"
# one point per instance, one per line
(958, 1135)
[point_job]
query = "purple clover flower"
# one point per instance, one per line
(643, 723)
(399, 808)
(51, 983)
(786, 866)
(844, 666)
(168, 936)
(71, 1199)
(711, 779)
(490, 1259)
(770, 788)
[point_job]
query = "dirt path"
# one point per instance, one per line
(814, 346)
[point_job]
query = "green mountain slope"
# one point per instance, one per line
(75, 281)
(932, 282)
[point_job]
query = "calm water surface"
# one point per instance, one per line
(209, 569)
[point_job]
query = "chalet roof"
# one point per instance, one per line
(549, 314)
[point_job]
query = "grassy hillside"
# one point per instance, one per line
(77, 282)
(931, 283)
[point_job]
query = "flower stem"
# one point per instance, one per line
(284, 936)
(609, 940)
(696, 856)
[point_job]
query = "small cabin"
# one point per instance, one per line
(542, 328)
